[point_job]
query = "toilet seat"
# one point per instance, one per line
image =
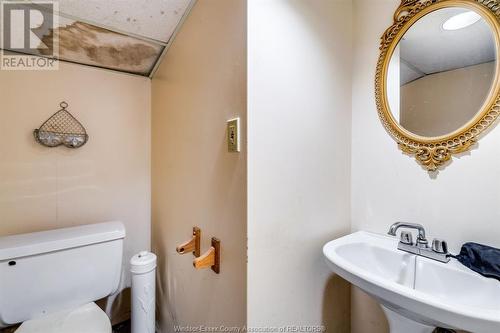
(85, 319)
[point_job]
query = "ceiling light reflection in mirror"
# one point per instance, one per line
(461, 21)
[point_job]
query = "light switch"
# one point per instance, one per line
(233, 135)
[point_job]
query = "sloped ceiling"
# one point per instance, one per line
(123, 35)
(153, 19)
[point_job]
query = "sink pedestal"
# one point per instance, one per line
(401, 324)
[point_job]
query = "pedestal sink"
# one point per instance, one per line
(416, 293)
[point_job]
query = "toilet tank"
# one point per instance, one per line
(54, 270)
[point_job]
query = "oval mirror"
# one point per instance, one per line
(437, 77)
(441, 72)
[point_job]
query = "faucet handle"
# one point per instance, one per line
(406, 238)
(439, 246)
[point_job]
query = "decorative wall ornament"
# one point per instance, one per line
(61, 129)
(433, 152)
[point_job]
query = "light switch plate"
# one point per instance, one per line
(233, 135)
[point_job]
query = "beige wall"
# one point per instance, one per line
(440, 103)
(107, 179)
(388, 186)
(299, 98)
(200, 84)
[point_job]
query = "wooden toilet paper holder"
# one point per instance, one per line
(192, 245)
(211, 258)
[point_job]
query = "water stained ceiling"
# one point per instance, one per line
(124, 35)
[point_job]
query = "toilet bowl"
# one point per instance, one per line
(85, 319)
(49, 280)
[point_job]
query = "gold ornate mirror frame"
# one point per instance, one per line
(434, 152)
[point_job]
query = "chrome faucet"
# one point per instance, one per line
(421, 240)
(438, 251)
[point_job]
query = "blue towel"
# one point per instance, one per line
(482, 259)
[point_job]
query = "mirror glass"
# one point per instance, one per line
(441, 71)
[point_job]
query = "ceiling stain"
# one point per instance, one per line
(84, 43)
(166, 15)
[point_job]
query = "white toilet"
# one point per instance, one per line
(49, 280)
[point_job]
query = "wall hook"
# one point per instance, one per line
(211, 258)
(192, 245)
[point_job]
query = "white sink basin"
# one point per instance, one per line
(416, 293)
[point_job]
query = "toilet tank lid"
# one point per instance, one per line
(16, 246)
